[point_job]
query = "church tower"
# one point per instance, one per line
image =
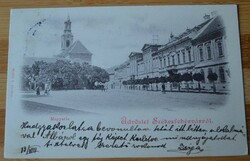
(67, 37)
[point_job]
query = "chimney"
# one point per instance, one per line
(214, 14)
(171, 35)
(206, 17)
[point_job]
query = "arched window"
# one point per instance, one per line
(183, 56)
(67, 43)
(189, 55)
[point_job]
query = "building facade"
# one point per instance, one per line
(199, 50)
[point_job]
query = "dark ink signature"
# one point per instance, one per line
(29, 149)
(187, 149)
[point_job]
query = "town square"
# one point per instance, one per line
(188, 70)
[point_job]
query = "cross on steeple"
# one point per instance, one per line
(67, 37)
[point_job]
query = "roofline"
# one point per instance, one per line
(204, 27)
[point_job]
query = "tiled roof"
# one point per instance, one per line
(150, 45)
(75, 49)
(214, 26)
(78, 47)
(189, 33)
(135, 53)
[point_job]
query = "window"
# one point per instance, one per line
(183, 55)
(178, 58)
(201, 53)
(67, 43)
(164, 61)
(209, 53)
(189, 56)
(160, 63)
(222, 74)
(173, 60)
(219, 47)
(168, 61)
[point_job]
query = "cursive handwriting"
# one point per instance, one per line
(187, 149)
(29, 149)
(186, 139)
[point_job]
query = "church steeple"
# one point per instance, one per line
(67, 37)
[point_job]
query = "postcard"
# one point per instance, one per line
(125, 82)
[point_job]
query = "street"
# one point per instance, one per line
(91, 101)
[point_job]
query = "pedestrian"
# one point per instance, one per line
(163, 88)
(38, 90)
(47, 88)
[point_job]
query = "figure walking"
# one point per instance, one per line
(37, 90)
(163, 88)
(47, 88)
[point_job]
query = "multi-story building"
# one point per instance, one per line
(133, 61)
(211, 54)
(121, 73)
(147, 51)
(201, 49)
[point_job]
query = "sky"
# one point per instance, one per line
(110, 33)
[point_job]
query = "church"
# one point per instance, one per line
(70, 50)
(73, 51)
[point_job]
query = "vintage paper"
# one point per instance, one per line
(114, 82)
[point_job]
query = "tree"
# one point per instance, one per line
(27, 78)
(97, 75)
(178, 79)
(198, 77)
(58, 84)
(162, 79)
(213, 77)
(62, 75)
(187, 77)
(168, 79)
(175, 78)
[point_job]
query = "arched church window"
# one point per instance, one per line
(67, 43)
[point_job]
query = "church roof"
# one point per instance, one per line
(78, 47)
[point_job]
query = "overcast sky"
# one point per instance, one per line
(110, 33)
